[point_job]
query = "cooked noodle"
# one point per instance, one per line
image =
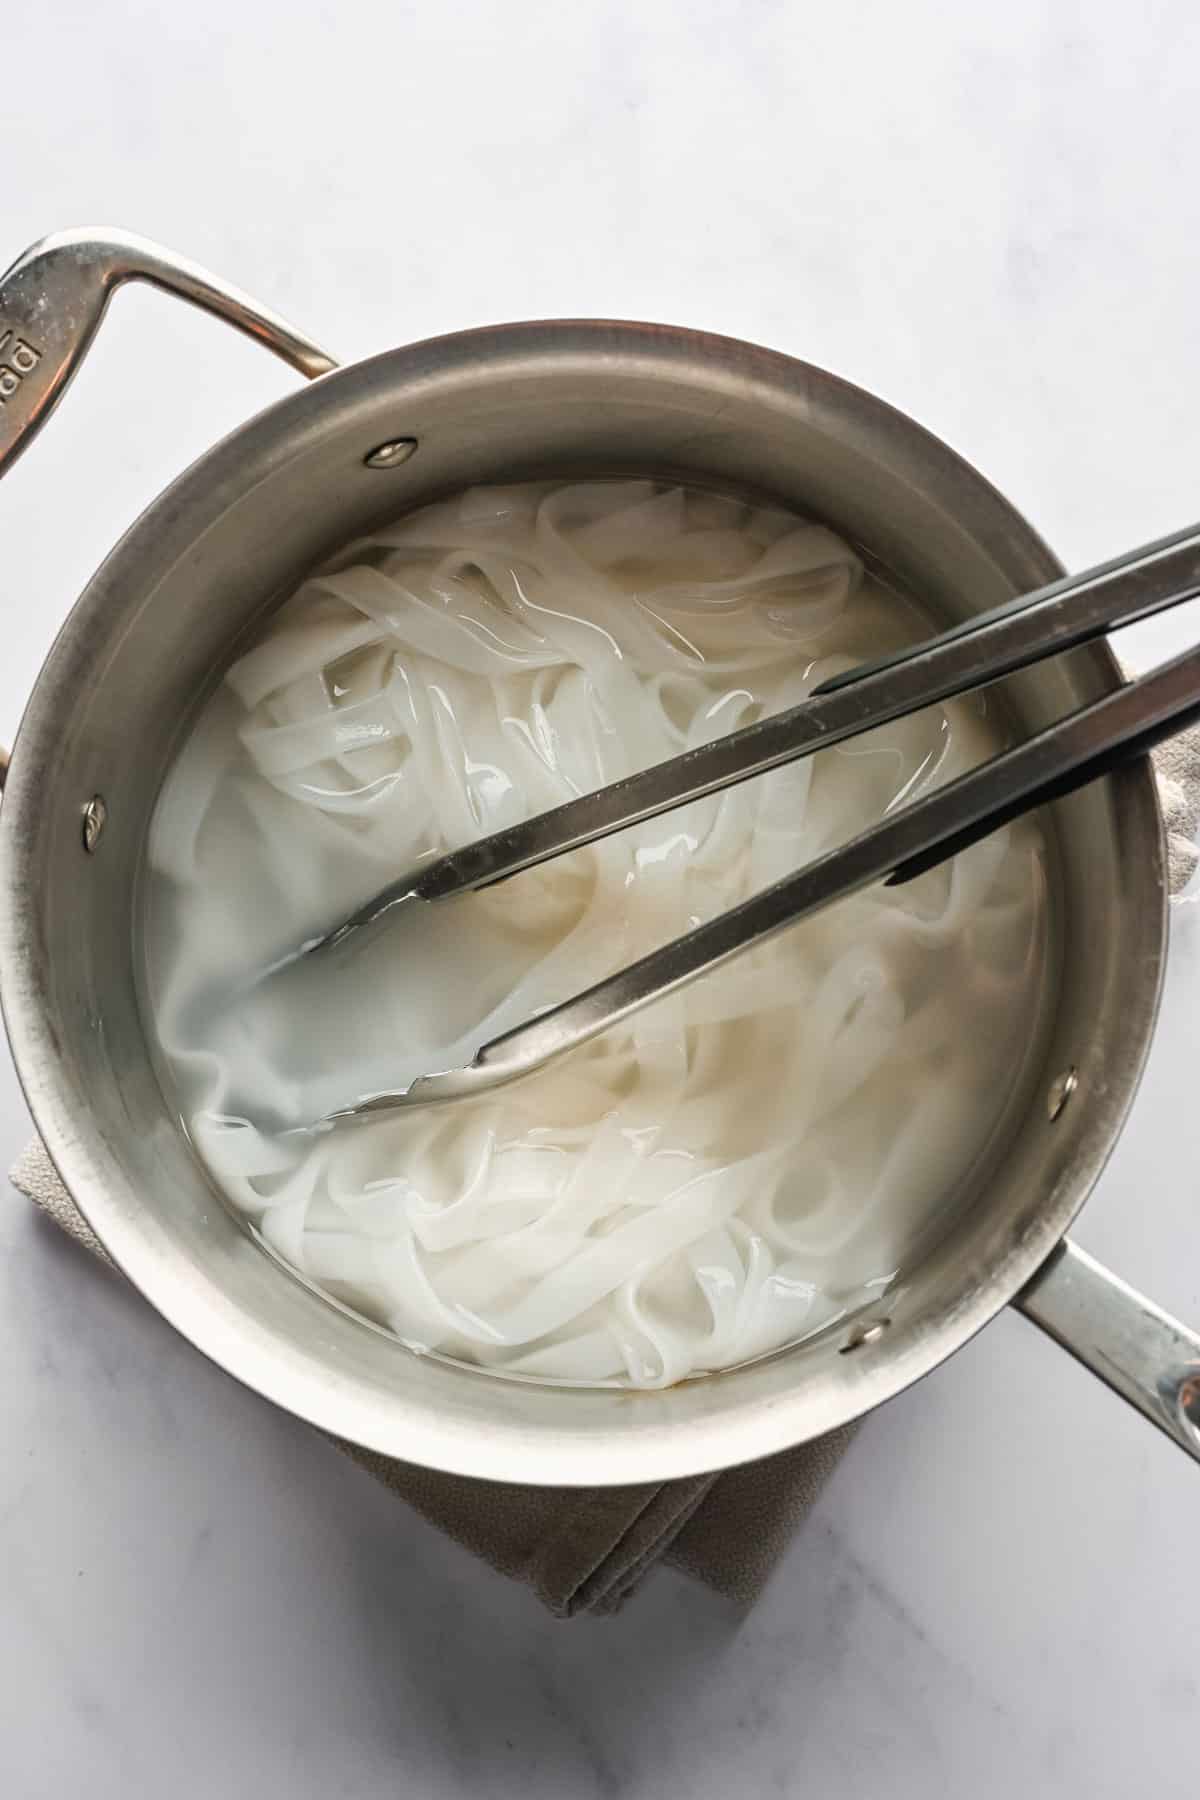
(723, 1173)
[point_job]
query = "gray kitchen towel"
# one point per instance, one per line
(586, 1550)
(1177, 764)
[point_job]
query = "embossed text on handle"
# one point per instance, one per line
(18, 358)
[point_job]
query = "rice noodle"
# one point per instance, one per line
(726, 1171)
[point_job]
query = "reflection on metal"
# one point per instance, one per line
(391, 454)
(95, 814)
(1061, 1089)
(867, 1331)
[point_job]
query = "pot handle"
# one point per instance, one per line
(53, 298)
(1145, 1355)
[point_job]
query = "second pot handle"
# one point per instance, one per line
(1145, 1355)
(53, 298)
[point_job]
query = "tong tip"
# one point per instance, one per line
(425, 1090)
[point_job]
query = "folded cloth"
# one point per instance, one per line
(587, 1549)
(1177, 765)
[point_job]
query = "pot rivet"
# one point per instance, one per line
(94, 815)
(867, 1331)
(1061, 1089)
(392, 454)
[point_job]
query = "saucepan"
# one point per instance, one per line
(358, 446)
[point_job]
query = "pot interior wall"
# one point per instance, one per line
(237, 532)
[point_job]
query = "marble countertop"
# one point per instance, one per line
(987, 215)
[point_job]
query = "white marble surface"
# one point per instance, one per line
(987, 214)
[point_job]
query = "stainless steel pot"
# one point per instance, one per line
(236, 532)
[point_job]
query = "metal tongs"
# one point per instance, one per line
(1055, 762)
